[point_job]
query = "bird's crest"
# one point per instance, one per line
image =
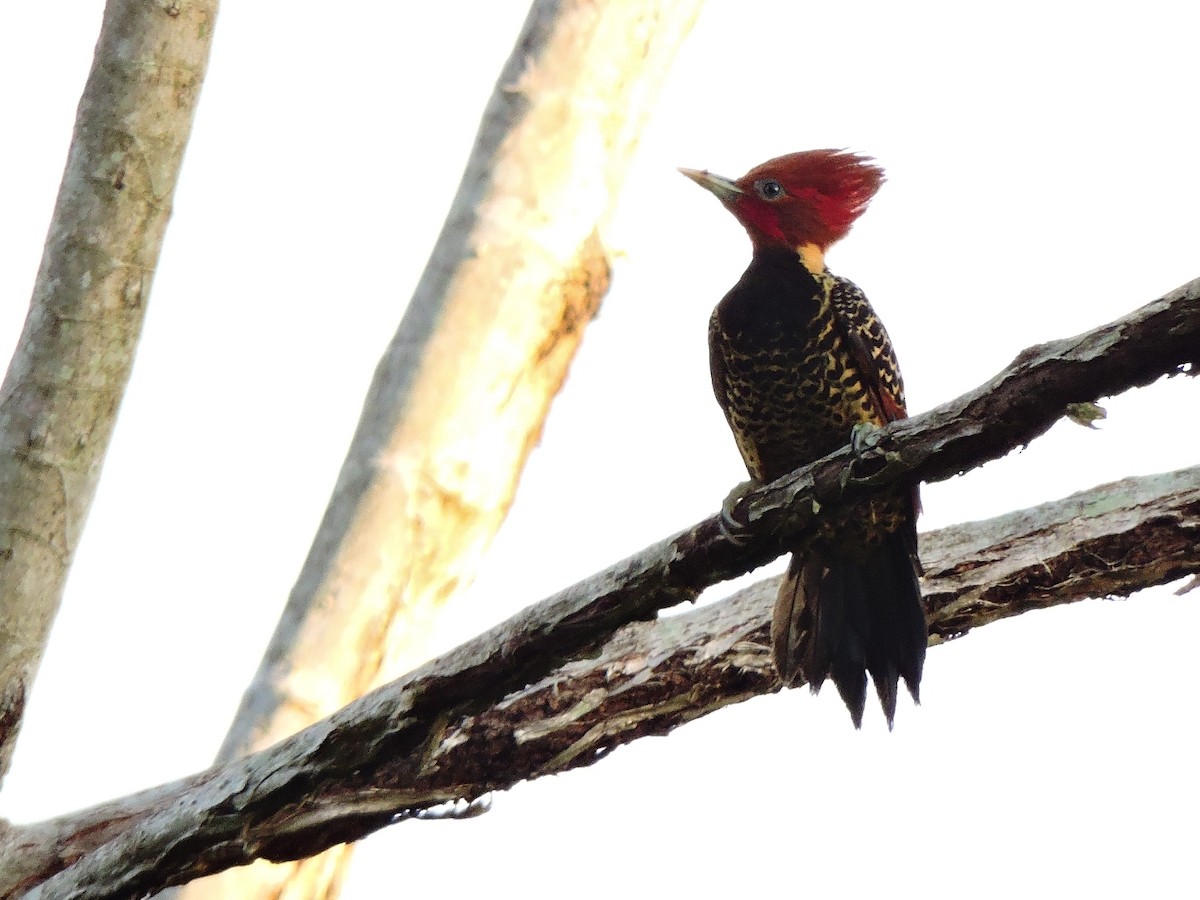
(806, 198)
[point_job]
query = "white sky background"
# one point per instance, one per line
(1042, 181)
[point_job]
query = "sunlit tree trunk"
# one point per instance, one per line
(460, 396)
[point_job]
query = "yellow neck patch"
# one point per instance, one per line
(813, 258)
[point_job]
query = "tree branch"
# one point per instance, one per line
(68, 375)
(648, 678)
(521, 700)
(651, 677)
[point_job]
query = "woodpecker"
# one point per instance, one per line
(799, 360)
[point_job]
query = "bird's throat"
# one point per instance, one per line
(813, 258)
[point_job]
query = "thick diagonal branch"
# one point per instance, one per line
(458, 726)
(647, 678)
(651, 677)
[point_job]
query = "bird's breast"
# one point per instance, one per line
(783, 375)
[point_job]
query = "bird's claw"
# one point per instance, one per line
(864, 436)
(1085, 414)
(870, 454)
(731, 529)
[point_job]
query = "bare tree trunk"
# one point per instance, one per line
(581, 672)
(459, 398)
(68, 375)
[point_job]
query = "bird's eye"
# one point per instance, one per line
(769, 188)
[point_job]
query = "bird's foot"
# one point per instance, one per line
(868, 444)
(864, 436)
(1086, 414)
(733, 530)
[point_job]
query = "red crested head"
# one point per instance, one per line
(806, 198)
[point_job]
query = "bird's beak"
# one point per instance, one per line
(725, 189)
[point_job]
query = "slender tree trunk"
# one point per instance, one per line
(459, 398)
(68, 375)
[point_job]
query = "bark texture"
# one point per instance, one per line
(583, 671)
(460, 396)
(65, 382)
(361, 770)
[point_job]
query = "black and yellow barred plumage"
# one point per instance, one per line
(798, 359)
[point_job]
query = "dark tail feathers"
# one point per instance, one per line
(842, 619)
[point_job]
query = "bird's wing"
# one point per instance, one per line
(871, 348)
(876, 361)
